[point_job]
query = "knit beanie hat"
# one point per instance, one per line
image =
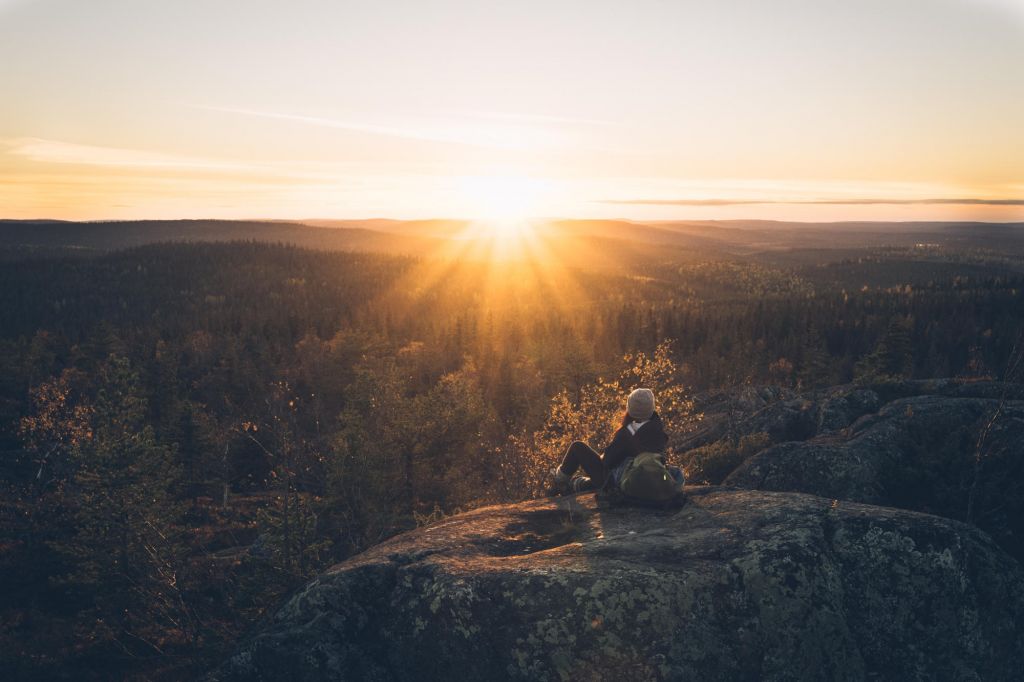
(640, 404)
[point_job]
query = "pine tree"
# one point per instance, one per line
(816, 362)
(125, 546)
(893, 357)
(288, 527)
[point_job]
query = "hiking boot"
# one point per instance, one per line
(559, 482)
(580, 484)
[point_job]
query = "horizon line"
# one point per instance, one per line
(967, 201)
(307, 221)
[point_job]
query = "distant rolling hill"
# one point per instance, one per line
(601, 243)
(770, 234)
(575, 243)
(26, 238)
(439, 227)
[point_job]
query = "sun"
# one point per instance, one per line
(502, 209)
(502, 200)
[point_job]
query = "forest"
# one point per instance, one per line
(190, 429)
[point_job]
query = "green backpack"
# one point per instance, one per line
(647, 479)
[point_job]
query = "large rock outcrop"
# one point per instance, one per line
(939, 453)
(738, 584)
(785, 415)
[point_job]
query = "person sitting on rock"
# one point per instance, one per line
(641, 431)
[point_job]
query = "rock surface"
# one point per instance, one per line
(915, 452)
(738, 584)
(789, 416)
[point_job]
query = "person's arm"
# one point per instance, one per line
(621, 447)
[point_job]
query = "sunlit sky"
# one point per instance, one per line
(702, 109)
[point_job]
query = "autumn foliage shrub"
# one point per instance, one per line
(593, 416)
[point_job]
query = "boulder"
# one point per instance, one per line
(781, 414)
(917, 453)
(787, 416)
(842, 408)
(738, 584)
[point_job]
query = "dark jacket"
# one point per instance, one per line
(648, 438)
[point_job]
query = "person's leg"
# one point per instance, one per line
(579, 455)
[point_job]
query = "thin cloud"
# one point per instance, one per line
(41, 150)
(488, 141)
(534, 118)
(817, 202)
(57, 151)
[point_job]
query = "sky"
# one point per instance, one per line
(647, 109)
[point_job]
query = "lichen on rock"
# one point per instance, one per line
(738, 584)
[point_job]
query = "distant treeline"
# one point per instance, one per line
(254, 304)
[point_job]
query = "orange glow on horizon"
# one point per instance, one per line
(176, 110)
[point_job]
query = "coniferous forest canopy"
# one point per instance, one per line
(196, 417)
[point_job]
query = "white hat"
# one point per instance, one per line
(640, 404)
